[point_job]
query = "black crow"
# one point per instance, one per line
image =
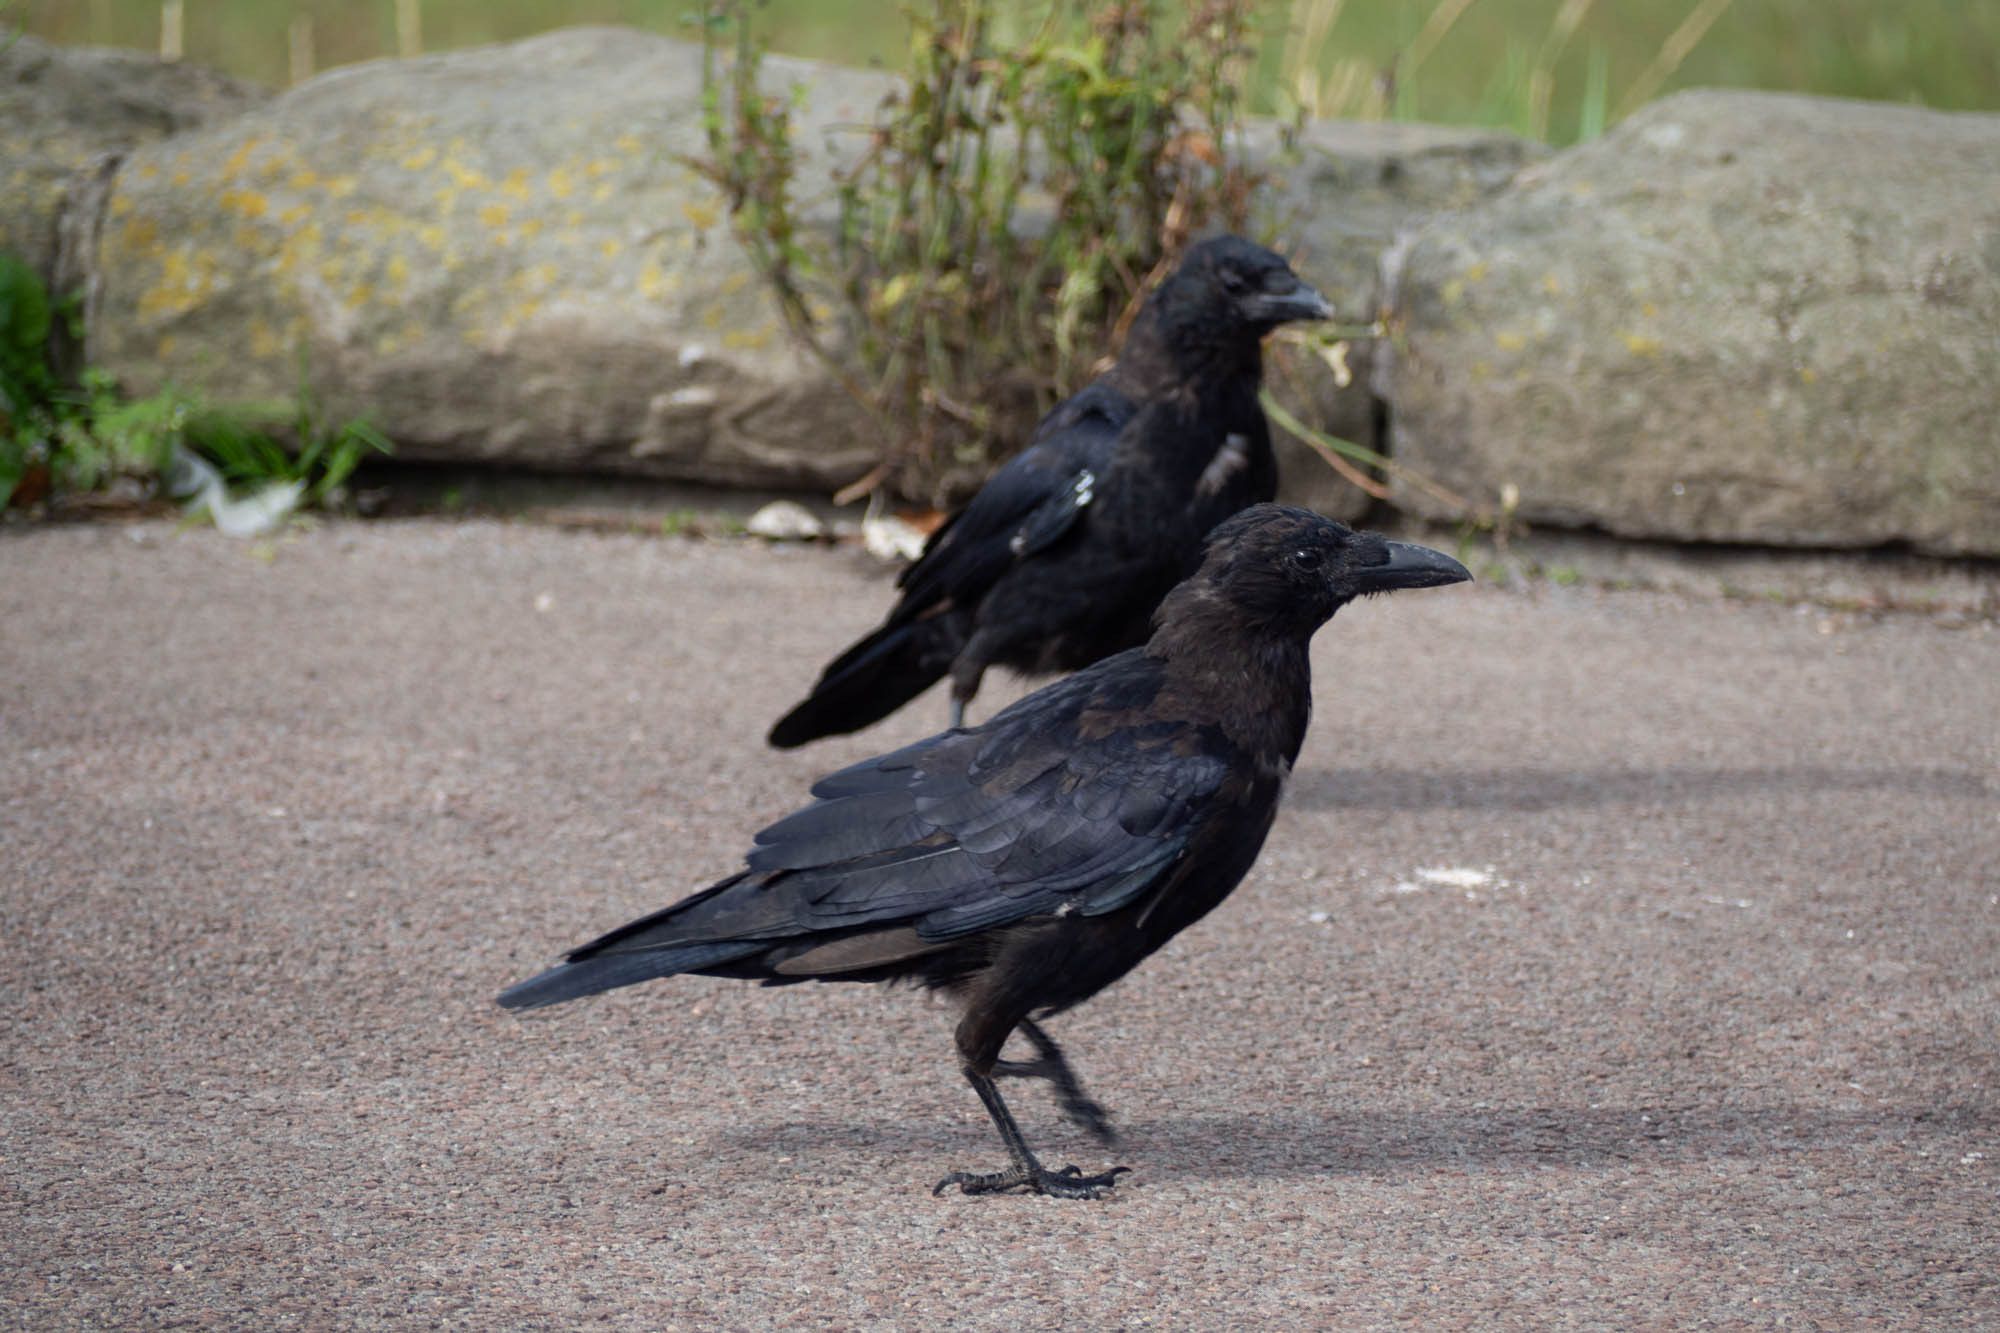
(1062, 556)
(1025, 864)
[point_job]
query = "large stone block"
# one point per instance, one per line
(1337, 194)
(496, 254)
(62, 107)
(1738, 317)
(503, 254)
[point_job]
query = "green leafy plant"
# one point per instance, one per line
(1007, 211)
(74, 439)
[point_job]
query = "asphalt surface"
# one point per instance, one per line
(1700, 1029)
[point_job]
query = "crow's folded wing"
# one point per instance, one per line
(1024, 508)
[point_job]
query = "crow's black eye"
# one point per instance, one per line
(1308, 557)
(1232, 279)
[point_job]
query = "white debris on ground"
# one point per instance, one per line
(785, 521)
(1466, 879)
(194, 481)
(1456, 877)
(888, 537)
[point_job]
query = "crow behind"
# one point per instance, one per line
(1061, 557)
(1025, 864)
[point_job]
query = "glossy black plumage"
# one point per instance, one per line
(1025, 864)
(1061, 557)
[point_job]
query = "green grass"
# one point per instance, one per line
(1560, 68)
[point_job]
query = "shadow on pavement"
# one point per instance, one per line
(1299, 1145)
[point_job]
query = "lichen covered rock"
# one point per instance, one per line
(1739, 317)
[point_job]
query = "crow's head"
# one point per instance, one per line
(1292, 569)
(1228, 288)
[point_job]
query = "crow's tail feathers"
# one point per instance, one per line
(653, 946)
(871, 680)
(608, 971)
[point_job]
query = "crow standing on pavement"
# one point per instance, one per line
(1062, 556)
(1026, 864)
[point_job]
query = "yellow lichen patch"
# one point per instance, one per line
(121, 205)
(1807, 375)
(494, 215)
(516, 186)
(654, 283)
(740, 340)
(1638, 344)
(164, 349)
(420, 159)
(298, 250)
(146, 171)
(305, 178)
(141, 235)
(464, 177)
(529, 229)
(600, 166)
(234, 164)
(296, 214)
(342, 186)
(432, 235)
(1510, 341)
(601, 192)
(1482, 370)
(711, 318)
(609, 247)
(1649, 310)
(702, 215)
(397, 271)
(627, 143)
(264, 340)
(1477, 273)
(1452, 292)
(561, 184)
(244, 203)
(539, 277)
(1552, 284)
(187, 278)
(180, 179)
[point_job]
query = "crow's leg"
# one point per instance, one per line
(1026, 1173)
(967, 669)
(1077, 1106)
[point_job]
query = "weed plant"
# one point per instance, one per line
(1009, 206)
(68, 440)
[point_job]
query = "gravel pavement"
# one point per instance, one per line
(1620, 959)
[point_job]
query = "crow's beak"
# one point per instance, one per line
(1411, 566)
(1300, 303)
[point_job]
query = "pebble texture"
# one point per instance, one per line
(1740, 317)
(1691, 1022)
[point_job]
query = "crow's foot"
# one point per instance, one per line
(1068, 1183)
